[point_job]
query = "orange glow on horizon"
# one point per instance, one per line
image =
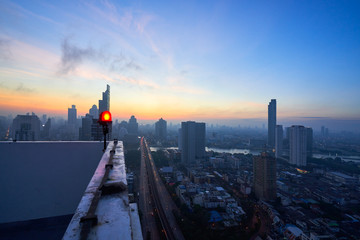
(55, 105)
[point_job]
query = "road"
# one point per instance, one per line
(261, 217)
(149, 227)
(162, 200)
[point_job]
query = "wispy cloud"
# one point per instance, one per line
(73, 56)
(23, 89)
(132, 23)
(28, 55)
(189, 90)
(140, 82)
(128, 19)
(3, 85)
(109, 5)
(165, 57)
(19, 11)
(143, 21)
(137, 82)
(5, 52)
(117, 78)
(183, 72)
(133, 65)
(18, 72)
(121, 63)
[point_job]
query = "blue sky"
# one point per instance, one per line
(182, 59)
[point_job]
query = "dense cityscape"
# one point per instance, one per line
(174, 120)
(228, 182)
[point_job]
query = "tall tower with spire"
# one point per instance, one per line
(104, 104)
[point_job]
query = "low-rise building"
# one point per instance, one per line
(341, 178)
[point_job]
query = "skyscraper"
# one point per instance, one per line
(104, 104)
(279, 134)
(180, 139)
(45, 133)
(44, 119)
(133, 126)
(271, 123)
(298, 145)
(85, 130)
(264, 167)
(192, 141)
(326, 132)
(26, 128)
(72, 115)
(97, 132)
(93, 111)
(160, 129)
(287, 133)
(309, 141)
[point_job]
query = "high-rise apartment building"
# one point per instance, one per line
(96, 131)
(94, 112)
(324, 132)
(104, 104)
(43, 119)
(279, 135)
(72, 115)
(45, 132)
(298, 145)
(309, 141)
(180, 139)
(160, 129)
(72, 132)
(287, 133)
(271, 123)
(192, 142)
(85, 130)
(26, 128)
(133, 126)
(264, 167)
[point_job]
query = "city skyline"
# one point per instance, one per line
(222, 63)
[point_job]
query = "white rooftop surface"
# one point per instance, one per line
(295, 230)
(117, 219)
(44, 179)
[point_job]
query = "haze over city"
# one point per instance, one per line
(217, 62)
(179, 120)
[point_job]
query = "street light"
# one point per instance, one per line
(105, 120)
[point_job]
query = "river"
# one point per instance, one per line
(257, 152)
(218, 150)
